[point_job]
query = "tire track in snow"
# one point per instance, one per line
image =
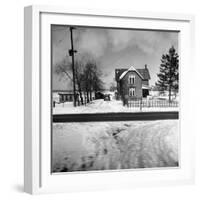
(116, 145)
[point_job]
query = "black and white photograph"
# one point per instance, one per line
(114, 99)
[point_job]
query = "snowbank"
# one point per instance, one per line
(114, 145)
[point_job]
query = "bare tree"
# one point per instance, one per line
(63, 68)
(92, 79)
(87, 76)
(112, 86)
(79, 76)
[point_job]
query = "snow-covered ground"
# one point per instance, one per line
(99, 106)
(114, 145)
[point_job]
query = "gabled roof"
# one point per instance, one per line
(143, 73)
(130, 69)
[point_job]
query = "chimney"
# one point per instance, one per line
(145, 66)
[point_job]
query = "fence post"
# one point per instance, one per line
(140, 104)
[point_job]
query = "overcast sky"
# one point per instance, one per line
(112, 48)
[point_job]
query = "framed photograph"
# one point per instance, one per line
(107, 99)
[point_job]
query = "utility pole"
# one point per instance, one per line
(71, 53)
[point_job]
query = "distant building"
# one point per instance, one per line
(60, 96)
(132, 83)
(66, 96)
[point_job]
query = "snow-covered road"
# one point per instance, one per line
(99, 106)
(114, 145)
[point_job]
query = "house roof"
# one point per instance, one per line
(143, 73)
(130, 69)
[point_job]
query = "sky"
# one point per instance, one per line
(111, 49)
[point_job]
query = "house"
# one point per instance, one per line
(132, 83)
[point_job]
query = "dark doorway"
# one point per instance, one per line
(145, 92)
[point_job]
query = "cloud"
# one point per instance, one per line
(96, 41)
(119, 39)
(114, 47)
(92, 41)
(145, 41)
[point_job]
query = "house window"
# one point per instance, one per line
(131, 79)
(131, 92)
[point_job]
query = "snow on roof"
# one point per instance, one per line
(146, 87)
(130, 69)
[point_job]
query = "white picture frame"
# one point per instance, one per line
(37, 139)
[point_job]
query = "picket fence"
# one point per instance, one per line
(151, 103)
